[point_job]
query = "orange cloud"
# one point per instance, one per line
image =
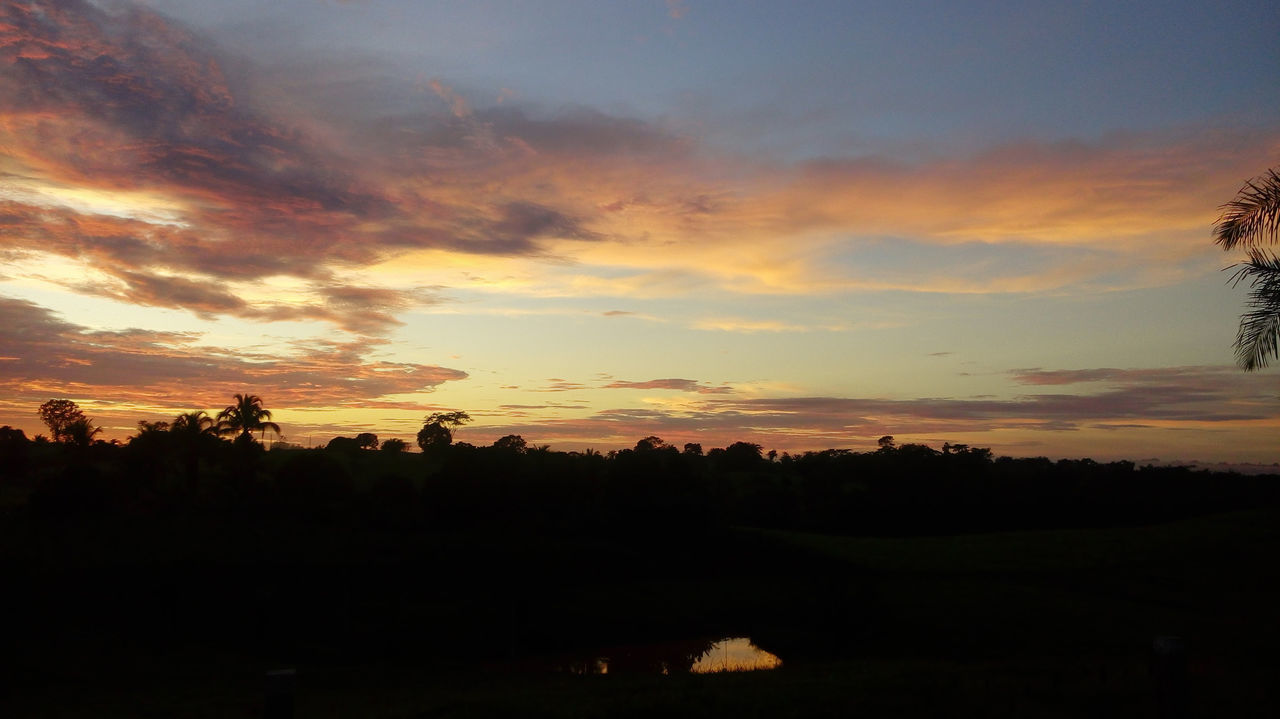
(1172, 400)
(458, 104)
(53, 357)
(584, 202)
(679, 385)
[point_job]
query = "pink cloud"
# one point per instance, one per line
(128, 100)
(53, 357)
(1197, 399)
(458, 104)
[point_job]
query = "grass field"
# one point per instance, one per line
(1040, 623)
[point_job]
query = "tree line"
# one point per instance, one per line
(216, 464)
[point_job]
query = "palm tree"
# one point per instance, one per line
(245, 416)
(1252, 218)
(192, 432)
(194, 424)
(1258, 339)
(80, 432)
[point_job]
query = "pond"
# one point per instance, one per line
(698, 656)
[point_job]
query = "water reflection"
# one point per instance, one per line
(735, 654)
(702, 656)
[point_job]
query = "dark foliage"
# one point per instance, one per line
(654, 488)
(59, 415)
(327, 554)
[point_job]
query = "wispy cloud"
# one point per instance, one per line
(1195, 398)
(458, 104)
(210, 186)
(555, 384)
(1110, 375)
(679, 385)
(137, 159)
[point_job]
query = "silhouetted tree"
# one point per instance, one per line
(1252, 218)
(151, 454)
(244, 416)
(885, 443)
(14, 451)
(436, 432)
(148, 428)
(58, 415)
(81, 432)
(362, 441)
(11, 436)
(394, 445)
(342, 444)
(434, 437)
(650, 443)
(511, 443)
(693, 449)
(198, 426)
(741, 456)
(193, 434)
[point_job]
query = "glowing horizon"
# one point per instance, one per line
(804, 227)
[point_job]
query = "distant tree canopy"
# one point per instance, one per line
(437, 432)
(362, 441)
(511, 443)
(148, 428)
(10, 436)
(81, 432)
(59, 415)
(653, 488)
(742, 455)
(341, 444)
(650, 443)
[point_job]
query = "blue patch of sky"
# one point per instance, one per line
(804, 77)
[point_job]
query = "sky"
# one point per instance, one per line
(805, 225)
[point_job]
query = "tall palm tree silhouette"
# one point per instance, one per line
(1248, 221)
(244, 416)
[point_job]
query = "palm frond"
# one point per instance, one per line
(1258, 339)
(1253, 216)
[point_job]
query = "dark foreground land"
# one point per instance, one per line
(421, 598)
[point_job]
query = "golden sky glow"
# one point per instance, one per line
(734, 247)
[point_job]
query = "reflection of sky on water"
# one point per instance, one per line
(735, 654)
(702, 656)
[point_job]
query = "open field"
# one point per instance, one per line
(1049, 623)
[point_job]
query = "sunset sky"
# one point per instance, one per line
(801, 224)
